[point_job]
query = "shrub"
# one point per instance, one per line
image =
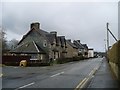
(78, 58)
(63, 60)
(37, 64)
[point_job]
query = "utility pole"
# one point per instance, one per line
(105, 45)
(107, 37)
(108, 31)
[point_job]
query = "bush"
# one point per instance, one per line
(37, 64)
(63, 60)
(78, 58)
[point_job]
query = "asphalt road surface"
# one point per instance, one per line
(69, 75)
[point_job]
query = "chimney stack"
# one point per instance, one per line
(36, 25)
(69, 40)
(54, 33)
(78, 41)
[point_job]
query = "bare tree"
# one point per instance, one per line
(12, 44)
(4, 41)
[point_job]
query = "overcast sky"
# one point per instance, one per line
(74, 20)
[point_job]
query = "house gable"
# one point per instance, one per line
(72, 50)
(28, 47)
(39, 39)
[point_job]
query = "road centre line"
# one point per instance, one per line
(82, 86)
(57, 74)
(80, 83)
(93, 71)
(86, 79)
(25, 85)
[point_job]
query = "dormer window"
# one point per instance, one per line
(44, 43)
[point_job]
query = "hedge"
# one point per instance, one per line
(65, 60)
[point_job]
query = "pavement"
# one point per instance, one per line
(103, 77)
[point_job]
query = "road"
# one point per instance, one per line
(69, 75)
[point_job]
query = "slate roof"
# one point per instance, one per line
(29, 47)
(71, 44)
(33, 43)
(78, 45)
(85, 46)
(47, 35)
(37, 39)
(50, 37)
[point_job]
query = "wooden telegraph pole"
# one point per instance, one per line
(107, 37)
(108, 31)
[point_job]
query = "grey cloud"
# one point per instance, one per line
(84, 21)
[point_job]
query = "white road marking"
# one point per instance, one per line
(1, 75)
(15, 67)
(43, 67)
(57, 74)
(26, 85)
(93, 71)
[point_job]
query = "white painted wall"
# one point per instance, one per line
(90, 53)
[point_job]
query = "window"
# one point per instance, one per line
(44, 43)
(33, 57)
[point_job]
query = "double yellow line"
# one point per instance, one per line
(86, 79)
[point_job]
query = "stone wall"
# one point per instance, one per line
(114, 58)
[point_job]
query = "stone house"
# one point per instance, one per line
(82, 48)
(85, 50)
(41, 45)
(72, 50)
(45, 46)
(61, 46)
(79, 46)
